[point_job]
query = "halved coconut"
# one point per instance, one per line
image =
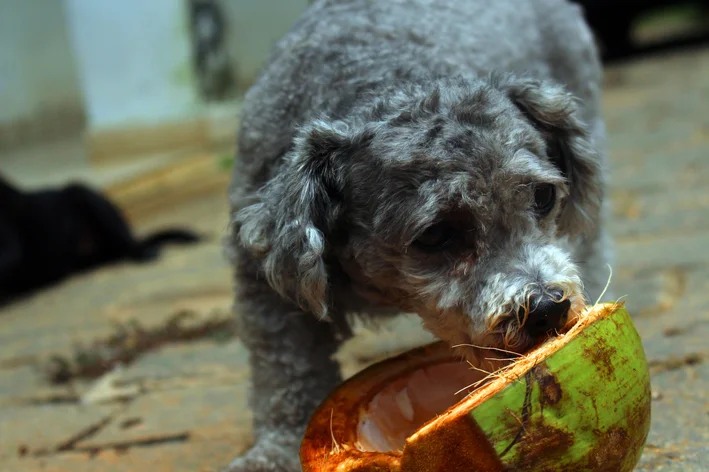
(579, 401)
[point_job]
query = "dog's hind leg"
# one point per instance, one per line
(292, 371)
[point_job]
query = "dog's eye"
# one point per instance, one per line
(435, 238)
(544, 199)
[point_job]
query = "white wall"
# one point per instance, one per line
(134, 59)
(121, 62)
(37, 70)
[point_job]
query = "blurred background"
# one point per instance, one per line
(134, 366)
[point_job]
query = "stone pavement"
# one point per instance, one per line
(186, 407)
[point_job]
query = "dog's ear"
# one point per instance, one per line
(288, 225)
(555, 113)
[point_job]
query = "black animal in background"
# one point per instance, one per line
(48, 235)
(612, 22)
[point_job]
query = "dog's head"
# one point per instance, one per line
(457, 202)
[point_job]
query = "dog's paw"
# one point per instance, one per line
(267, 458)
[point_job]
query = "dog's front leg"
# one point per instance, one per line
(292, 371)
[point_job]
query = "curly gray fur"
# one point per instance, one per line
(374, 121)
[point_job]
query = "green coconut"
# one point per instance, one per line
(579, 401)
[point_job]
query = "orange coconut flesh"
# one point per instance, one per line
(407, 403)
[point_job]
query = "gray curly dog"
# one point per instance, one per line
(438, 157)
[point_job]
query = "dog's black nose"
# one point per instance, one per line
(547, 313)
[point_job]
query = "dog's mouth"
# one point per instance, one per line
(489, 355)
(507, 339)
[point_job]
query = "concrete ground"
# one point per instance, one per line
(182, 407)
